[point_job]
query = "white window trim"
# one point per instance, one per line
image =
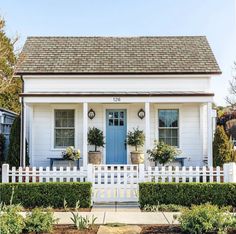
(169, 107)
(63, 107)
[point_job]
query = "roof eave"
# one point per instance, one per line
(118, 73)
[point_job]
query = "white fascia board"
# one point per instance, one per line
(117, 76)
(117, 100)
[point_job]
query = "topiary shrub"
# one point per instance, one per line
(136, 138)
(96, 138)
(222, 147)
(2, 148)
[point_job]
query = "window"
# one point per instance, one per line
(64, 132)
(116, 118)
(169, 126)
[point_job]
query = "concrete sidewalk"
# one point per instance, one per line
(104, 217)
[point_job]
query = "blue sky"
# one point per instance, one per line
(214, 18)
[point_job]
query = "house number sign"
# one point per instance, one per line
(116, 99)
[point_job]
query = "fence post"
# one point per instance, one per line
(230, 172)
(5, 173)
(141, 172)
(90, 173)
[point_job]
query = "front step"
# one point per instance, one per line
(116, 206)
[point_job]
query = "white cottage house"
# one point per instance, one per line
(168, 78)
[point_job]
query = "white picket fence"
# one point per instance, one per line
(115, 182)
(27, 175)
(184, 174)
(119, 182)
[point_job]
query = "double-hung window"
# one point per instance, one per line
(169, 126)
(64, 128)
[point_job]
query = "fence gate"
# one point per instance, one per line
(115, 183)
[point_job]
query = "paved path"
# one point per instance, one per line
(104, 217)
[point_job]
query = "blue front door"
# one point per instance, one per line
(115, 137)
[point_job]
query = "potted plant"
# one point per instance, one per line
(96, 138)
(163, 153)
(136, 139)
(71, 155)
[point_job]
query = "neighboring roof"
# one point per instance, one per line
(117, 55)
(3, 110)
(119, 94)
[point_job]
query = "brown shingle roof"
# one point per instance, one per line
(121, 55)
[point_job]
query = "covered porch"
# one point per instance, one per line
(192, 132)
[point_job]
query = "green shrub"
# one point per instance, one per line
(2, 149)
(13, 157)
(163, 153)
(163, 208)
(206, 218)
(185, 194)
(47, 194)
(222, 147)
(39, 221)
(11, 222)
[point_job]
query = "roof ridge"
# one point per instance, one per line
(172, 36)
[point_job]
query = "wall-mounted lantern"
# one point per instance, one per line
(91, 114)
(141, 114)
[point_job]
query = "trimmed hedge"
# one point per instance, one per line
(47, 194)
(186, 194)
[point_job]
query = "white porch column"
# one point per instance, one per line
(85, 134)
(147, 130)
(209, 134)
(23, 134)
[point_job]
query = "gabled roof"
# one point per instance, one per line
(117, 55)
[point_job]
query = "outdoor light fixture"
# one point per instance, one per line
(141, 114)
(91, 114)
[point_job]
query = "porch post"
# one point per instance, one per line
(85, 132)
(209, 134)
(23, 134)
(147, 130)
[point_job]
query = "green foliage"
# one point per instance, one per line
(186, 194)
(47, 194)
(11, 222)
(206, 218)
(13, 158)
(96, 138)
(222, 147)
(40, 220)
(136, 138)
(9, 87)
(81, 222)
(14, 147)
(163, 153)
(163, 208)
(2, 148)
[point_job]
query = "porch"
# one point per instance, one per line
(193, 131)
